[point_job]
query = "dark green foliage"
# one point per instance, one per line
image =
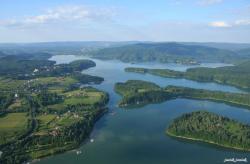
(45, 98)
(5, 100)
(209, 127)
(65, 69)
(134, 94)
(134, 86)
(227, 97)
(137, 92)
(87, 79)
(14, 66)
(238, 75)
(80, 65)
(23, 68)
(143, 98)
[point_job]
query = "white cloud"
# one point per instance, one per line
(242, 22)
(209, 2)
(219, 24)
(64, 14)
(223, 24)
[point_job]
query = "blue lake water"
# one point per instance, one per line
(137, 136)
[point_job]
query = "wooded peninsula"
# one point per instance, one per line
(211, 128)
(238, 75)
(137, 92)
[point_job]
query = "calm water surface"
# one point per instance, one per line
(136, 136)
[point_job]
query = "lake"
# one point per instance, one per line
(137, 136)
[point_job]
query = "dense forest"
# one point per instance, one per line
(136, 92)
(168, 52)
(212, 128)
(25, 68)
(238, 75)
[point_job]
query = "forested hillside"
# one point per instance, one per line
(168, 52)
(238, 75)
(212, 128)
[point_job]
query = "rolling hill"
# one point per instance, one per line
(168, 52)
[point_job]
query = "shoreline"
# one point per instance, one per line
(74, 147)
(147, 71)
(207, 141)
(230, 103)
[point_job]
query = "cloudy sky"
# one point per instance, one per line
(124, 20)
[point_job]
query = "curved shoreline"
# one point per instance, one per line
(148, 71)
(206, 141)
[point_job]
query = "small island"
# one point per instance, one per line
(137, 92)
(211, 128)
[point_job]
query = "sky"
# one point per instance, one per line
(125, 20)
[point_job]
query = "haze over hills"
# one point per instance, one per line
(135, 51)
(244, 52)
(168, 52)
(226, 46)
(59, 48)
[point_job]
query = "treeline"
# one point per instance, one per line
(142, 98)
(209, 127)
(5, 100)
(134, 94)
(168, 52)
(226, 97)
(14, 66)
(134, 86)
(18, 67)
(238, 75)
(87, 79)
(45, 98)
(64, 69)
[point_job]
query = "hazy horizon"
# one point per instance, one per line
(30, 21)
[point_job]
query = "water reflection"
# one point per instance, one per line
(138, 136)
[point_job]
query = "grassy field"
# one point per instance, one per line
(87, 96)
(19, 105)
(54, 84)
(67, 120)
(12, 125)
(10, 84)
(44, 121)
(56, 80)
(50, 122)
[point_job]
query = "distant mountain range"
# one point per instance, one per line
(226, 46)
(134, 51)
(59, 48)
(169, 52)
